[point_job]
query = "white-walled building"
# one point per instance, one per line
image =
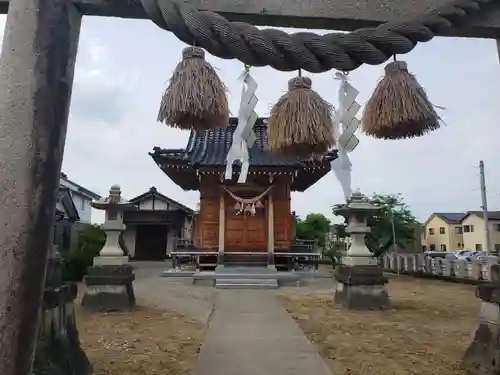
(82, 198)
(154, 225)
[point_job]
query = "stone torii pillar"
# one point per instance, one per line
(36, 79)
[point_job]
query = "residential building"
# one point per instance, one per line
(67, 222)
(443, 232)
(474, 230)
(81, 197)
(154, 225)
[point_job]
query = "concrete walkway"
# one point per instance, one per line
(250, 333)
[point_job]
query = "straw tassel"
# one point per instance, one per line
(300, 123)
(399, 107)
(195, 97)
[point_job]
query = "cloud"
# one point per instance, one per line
(123, 66)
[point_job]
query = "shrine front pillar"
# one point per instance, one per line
(222, 226)
(270, 230)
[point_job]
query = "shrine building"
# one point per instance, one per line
(154, 223)
(242, 223)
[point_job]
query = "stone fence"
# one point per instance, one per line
(459, 270)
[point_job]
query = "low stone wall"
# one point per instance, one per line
(58, 350)
(459, 270)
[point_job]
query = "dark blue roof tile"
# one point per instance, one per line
(208, 148)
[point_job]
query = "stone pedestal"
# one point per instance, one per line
(483, 355)
(361, 283)
(109, 280)
(361, 287)
(109, 287)
(58, 349)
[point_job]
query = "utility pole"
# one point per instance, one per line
(484, 206)
(393, 229)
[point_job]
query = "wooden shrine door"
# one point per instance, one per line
(245, 232)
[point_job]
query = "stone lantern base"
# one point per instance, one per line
(109, 286)
(483, 355)
(361, 287)
(58, 349)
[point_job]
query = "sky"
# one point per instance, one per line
(123, 66)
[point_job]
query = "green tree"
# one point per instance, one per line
(313, 227)
(392, 208)
(340, 231)
(335, 250)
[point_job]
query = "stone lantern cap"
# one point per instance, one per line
(113, 200)
(358, 205)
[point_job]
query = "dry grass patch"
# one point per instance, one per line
(145, 341)
(426, 331)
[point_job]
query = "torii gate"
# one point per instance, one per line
(36, 79)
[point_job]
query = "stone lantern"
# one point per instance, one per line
(109, 280)
(360, 280)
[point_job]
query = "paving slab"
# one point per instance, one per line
(250, 333)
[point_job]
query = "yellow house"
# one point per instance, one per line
(443, 232)
(474, 237)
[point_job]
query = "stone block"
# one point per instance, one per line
(420, 263)
(109, 288)
(361, 288)
(437, 266)
(416, 263)
(483, 354)
(58, 349)
(110, 261)
(461, 268)
(475, 269)
(448, 267)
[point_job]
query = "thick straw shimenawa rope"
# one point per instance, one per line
(308, 51)
(300, 123)
(399, 107)
(195, 97)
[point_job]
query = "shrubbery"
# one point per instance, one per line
(91, 239)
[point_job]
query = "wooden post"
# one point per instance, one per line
(270, 230)
(222, 220)
(36, 79)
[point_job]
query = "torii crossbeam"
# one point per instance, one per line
(36, 79)
(311, 14)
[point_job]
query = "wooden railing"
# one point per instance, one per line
(302, 246)
(184, 243)
(180, 258)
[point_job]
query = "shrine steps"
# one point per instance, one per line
(245, 277)
(228, 283)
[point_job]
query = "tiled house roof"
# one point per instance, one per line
(451, 217)
(492, 215)
(154, 193)
(64, 197)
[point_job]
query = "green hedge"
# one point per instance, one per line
(76, 261)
